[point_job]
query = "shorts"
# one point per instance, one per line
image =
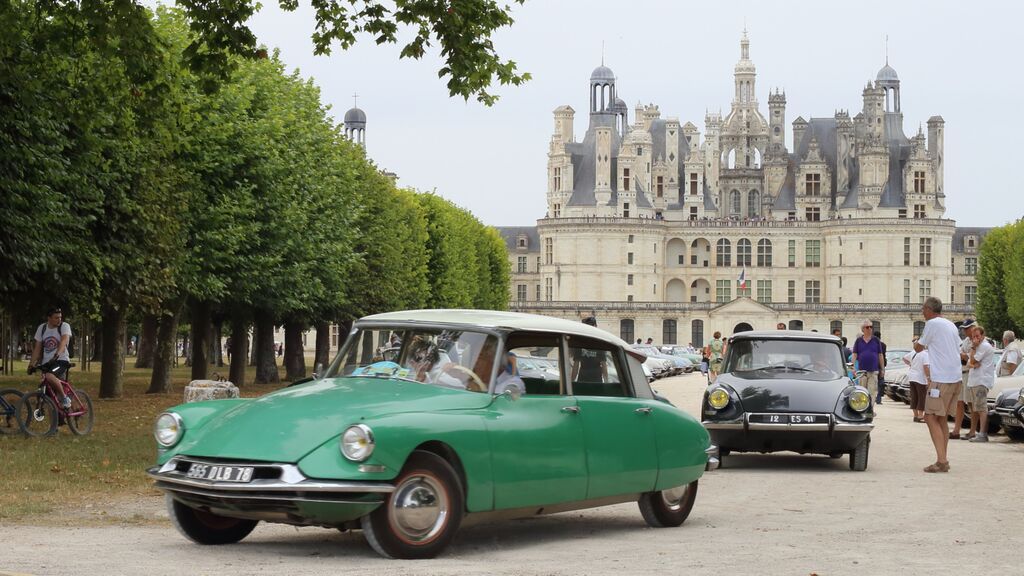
(716, 364)
(977, 397)
(963, 389)
(918, 392)
(869, 380)
(945, 404)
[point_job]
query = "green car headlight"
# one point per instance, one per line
(357, 442)
(718, 398)
(168, 429)
(859, 400)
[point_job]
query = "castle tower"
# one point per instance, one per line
(777, 119)
(745, 75)
(844, 153)
(889, 81)
(602, 91)
(936, 153)
(874, 110)
(355, 126)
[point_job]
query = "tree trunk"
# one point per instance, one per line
(294, 352)
(200, 339)
(164, 349)
(266, 360)
(218, 347)
(239, 348)
(253, 353)
(147, 341)
(323, 346)
(97, 343)
(111, 369)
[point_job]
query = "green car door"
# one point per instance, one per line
(618, 429)
(537, 451)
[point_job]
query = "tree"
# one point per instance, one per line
(1013, 274)
(463, 29)
(991, 305)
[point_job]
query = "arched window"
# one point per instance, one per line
(723, 253)
(743, 250)
(730, 159)
(735, 203)
(764, 252)
(626, 329)
(757, 158)
(753, 204)
(796, 324)
(835, 325)
(918, 328)
(668, 332)
(697, 333)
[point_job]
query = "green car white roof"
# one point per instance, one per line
(497, 320)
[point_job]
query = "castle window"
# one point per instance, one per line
(723, 290)
(906, 251)
(919, 182)
(902, 213)
(558, 179)
(630, 239)
(812, 253)
(549, 251)
(970, 266)
(723, 253)
(629, 279)
(625, 210)
(792, 253)
(743, 250)
(661, 187)
(625, 179)
(926, 289)
(668, 331)
(521, 292)
(736, 202)
(925, 254)
(813, 214)
(557, 210)
(521, 265)
(764, 253)
(812, 185)
(812, 291)
(693, 212)
(919, 211)
(753, 204)
(693, 183)
(639, 151)
(549, 293)
(629, 258)
(970, 242)
(970, 295)
(791, 291)
(906, 290)
(764, 291)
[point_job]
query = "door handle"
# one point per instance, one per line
(646, 411)
(571, 409)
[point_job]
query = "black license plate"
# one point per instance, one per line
(219, 472)
(789, 418)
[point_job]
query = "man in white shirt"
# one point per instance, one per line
(981, 378)
(942, 340)
(1011, 354)
(51, 353)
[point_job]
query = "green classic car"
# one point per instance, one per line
(423, 420)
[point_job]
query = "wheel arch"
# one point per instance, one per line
(446, 452)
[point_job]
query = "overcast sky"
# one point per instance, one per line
(960, 60)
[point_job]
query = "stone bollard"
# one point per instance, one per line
(199, 390)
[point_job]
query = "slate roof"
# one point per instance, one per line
(961, 234)
(511, 235)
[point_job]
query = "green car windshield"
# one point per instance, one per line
(799, 359)
(449, 358)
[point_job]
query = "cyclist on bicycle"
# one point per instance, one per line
(52, 346)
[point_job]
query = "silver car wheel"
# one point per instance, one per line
(419, 508)
(673, 497)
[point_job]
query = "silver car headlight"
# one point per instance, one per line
(168, 429)
(1021, 397)
(357, 442)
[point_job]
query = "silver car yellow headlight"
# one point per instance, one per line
(357, 442)
(168, 429)
(859, 400)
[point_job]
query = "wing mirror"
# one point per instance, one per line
(318, 371)
(512, 393)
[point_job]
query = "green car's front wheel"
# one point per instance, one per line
(420, 518)
(205, 527)
(668, 508)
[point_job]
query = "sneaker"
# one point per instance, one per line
(980, 438)
(66, 403)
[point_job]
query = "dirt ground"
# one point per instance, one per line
(773, 514)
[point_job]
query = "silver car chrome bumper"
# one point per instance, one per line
(1007, 417)
(290, 479)
(831, 426)
(713, 459)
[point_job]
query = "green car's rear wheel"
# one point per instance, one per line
(206, 527)
(420, 518)
(668, 508)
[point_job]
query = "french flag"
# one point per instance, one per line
(743, 279)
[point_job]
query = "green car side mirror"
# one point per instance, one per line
(512, 393)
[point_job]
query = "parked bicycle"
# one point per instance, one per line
(9, 398)
(39, 413)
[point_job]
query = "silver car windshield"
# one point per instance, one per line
(799, 359)
(450, 358)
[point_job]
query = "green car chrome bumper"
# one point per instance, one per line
(271, 492)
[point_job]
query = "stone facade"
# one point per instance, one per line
(651, 227)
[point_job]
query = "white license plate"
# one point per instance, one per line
(220, 473)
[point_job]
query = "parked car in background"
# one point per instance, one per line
(405, 448)
(788, 391)
(679, 365)
(1012, 382)
(683, 352)
(1009, 407)
(894, 368)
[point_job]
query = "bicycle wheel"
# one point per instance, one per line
(80, 416)
(37, 415)
(8, 411)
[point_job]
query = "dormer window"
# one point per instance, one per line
(812, 185)
(919, 181)
(521, 241)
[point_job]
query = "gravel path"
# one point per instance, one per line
(775, 514)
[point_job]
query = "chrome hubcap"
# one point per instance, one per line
(673, 497)
(419, 508)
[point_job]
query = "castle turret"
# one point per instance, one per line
(935, 152)
(777, 119)
(799, 127)
(564, 123)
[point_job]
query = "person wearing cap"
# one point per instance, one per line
(941, 340)
(51, 353)
(867, 357)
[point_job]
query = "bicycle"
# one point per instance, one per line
(9, 398)
(40, 412)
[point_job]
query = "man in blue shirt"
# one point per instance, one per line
(867, 356)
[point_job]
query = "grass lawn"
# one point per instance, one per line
(40, 475)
